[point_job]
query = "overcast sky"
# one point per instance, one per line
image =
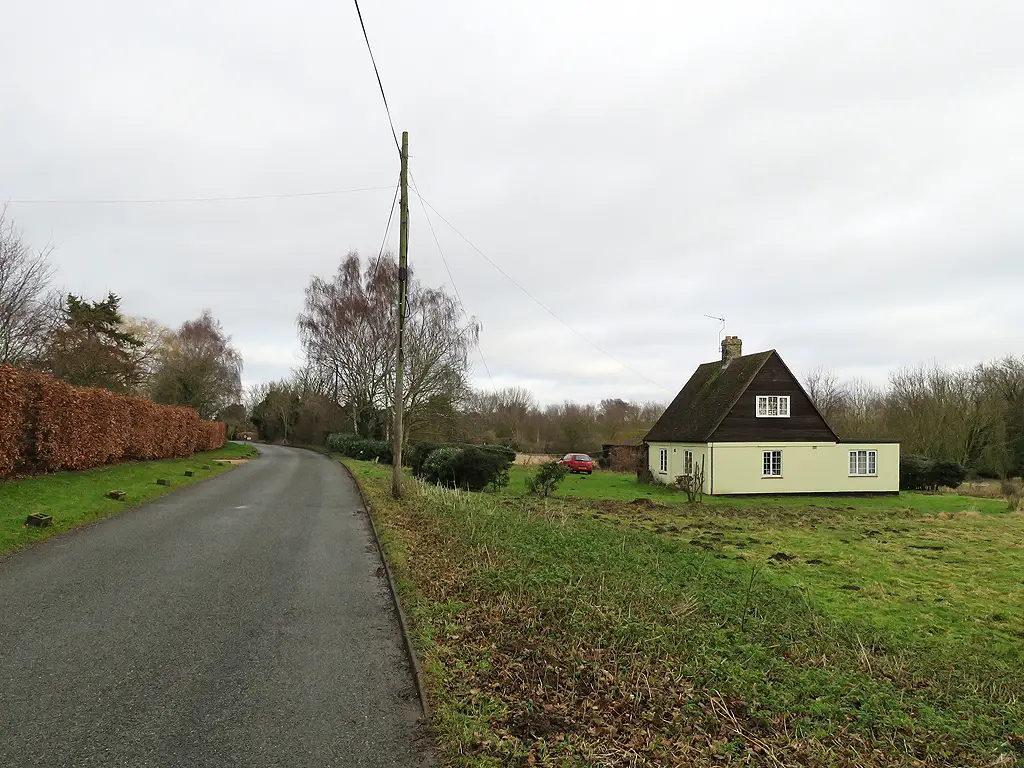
(841, 181)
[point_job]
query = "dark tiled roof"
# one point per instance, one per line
(706, 399)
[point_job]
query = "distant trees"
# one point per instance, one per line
(28, 308)
(973, 417)
(199, 368)
(512, 416)
(347, 331)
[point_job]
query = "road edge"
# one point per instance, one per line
(402, 620)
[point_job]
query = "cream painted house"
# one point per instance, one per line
(746, 424)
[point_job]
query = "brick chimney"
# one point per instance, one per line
(732, 347)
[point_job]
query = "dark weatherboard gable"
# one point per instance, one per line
(805, 423)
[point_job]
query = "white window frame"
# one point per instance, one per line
(687, 463)
(772, 407)
(663, 461)
(864, 462)
(768, 463)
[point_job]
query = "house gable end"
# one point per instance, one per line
(804, 423)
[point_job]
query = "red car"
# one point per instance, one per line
(578, 462)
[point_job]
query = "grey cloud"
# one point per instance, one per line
(840, 181)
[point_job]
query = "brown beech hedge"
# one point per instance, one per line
(47, 425)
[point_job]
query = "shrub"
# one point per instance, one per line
(355, 447)
(919, 473)
(504, 451)
(470, 468)
(439, 466)
(948, 474)
(417, 454)
(546, 479)
(339, 442)
(1013, 491)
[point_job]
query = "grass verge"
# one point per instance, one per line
(77, 498)
(549, 637)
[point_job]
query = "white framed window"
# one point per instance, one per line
(864, 463)
(773, 406)
(688, 462)
(663, 460)
(772, 466)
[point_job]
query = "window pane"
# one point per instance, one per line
(853, 462)
(762, 406)
(776, 462)
(767, 463)
(871, 462)
(862, 462)
(783, 406)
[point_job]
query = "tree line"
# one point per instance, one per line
(971, 416)
(90, 342)
(346, 327)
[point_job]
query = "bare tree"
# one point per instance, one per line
(28, 309)
(199, 368)
(347, 331)
(826, 392)
(143, 360)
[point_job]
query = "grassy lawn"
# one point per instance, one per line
(76, 498)
(592, 629)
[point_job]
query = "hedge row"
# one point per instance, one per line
(919, 473)
(473, 467)
(47, 425)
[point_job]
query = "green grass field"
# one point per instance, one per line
(615, 624)
(76, 498)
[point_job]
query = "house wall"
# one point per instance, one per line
(807, 467)
(675, 461)
(804, 423)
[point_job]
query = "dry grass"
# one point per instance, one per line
(533, 459)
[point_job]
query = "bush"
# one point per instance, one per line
(546, 479)
(470, 468)
(1013, 491)
(504, 451)
(355, 447)
(417, 454)
(948, 474)
(919, 473)
(439, 466)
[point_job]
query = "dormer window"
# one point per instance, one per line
(773, 406)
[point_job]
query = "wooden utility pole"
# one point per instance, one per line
(403, 286)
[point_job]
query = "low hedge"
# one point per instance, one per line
(473, 467)
(355, 447)
(919, 473)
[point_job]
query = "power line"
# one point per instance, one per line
(366, 37)
(151, 201)
(537, 301)
(451, 279)
(387, 229)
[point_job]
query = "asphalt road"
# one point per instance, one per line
(244, 621)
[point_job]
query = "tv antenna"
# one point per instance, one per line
(720, 330)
